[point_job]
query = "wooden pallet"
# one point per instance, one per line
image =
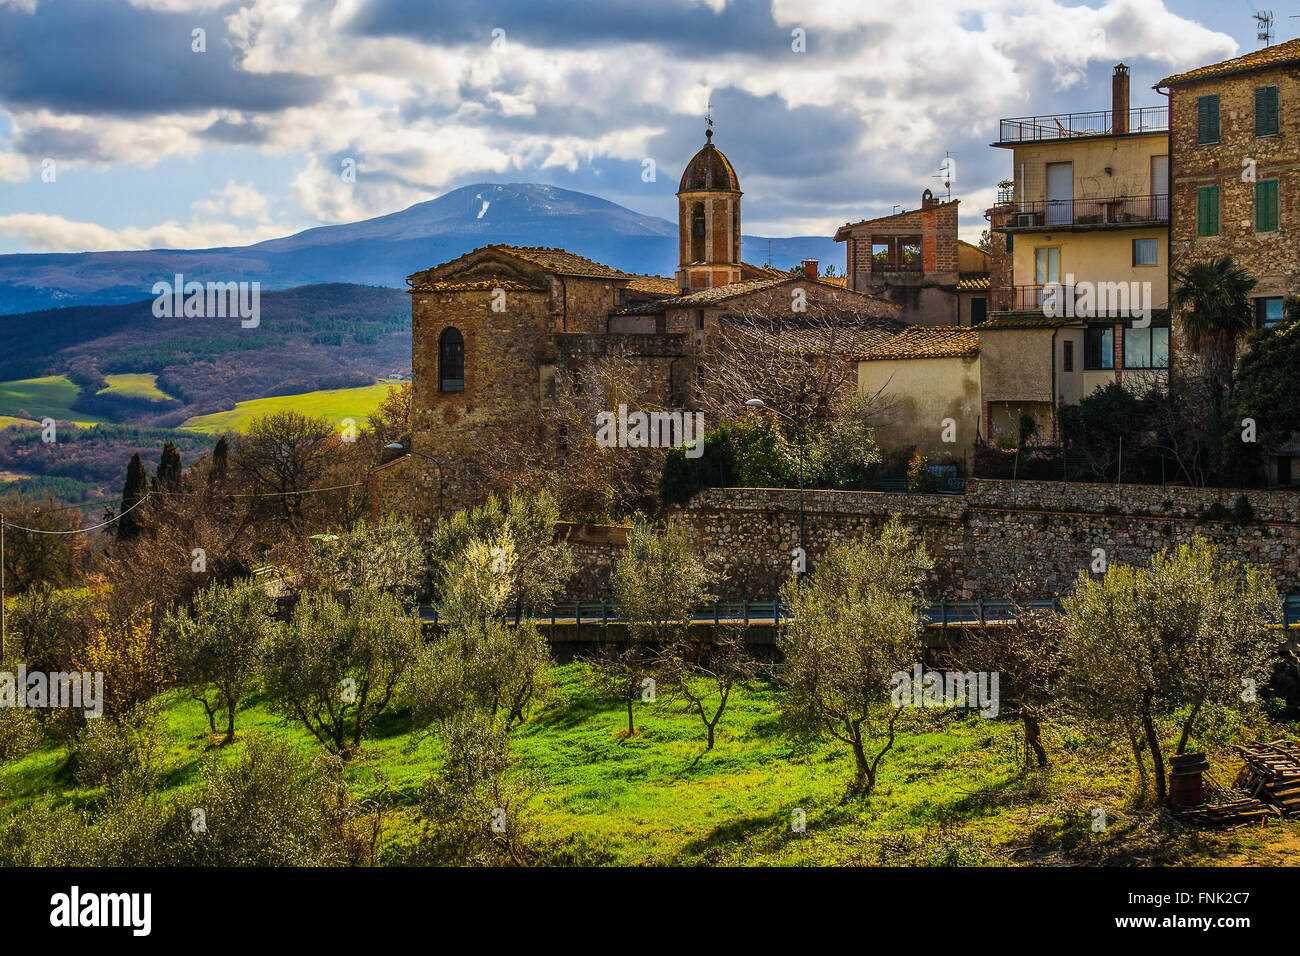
(1228, 815)
(1272, 774)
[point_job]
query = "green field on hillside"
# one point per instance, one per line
(952, 792)
(37, 398)
(135, 385)
(334, 404)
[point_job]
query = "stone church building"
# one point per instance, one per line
(490, 328)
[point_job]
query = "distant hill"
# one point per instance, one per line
(119, 363)
(384, 250)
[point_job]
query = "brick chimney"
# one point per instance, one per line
(1119, 99)
(810, 268)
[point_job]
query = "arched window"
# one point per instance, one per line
(451, 361)
(698, 230)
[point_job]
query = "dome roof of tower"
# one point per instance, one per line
(709, 170)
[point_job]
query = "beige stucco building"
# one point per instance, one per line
(1081, 261)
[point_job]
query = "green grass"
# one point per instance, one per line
(135, 385)
(37, 398)
(334, 404)
(7, 420)
(952, 790)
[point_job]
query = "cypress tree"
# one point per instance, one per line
(136, 487)
(220, 460)
(169, 469)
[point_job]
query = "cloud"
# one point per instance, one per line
(416, 96)
(42, 232)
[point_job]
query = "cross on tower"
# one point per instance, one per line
(708, 116)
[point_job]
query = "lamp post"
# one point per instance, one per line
(398, 446)
(757, 403)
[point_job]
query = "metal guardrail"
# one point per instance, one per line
(942, 613)
(1029, 129)
(1096, 211)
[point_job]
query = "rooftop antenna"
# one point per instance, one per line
(946, 172)
(897, 206)
(1264, 26)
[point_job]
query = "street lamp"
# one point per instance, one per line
(757, 403)
(398, 446)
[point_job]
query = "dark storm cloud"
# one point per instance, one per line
(108, 57)
(678, 26)
(244, 133)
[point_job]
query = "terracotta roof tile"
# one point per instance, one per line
(659, 285)
(482, 285)
(721, 293)
(561, 261)
(973, 283)
(925, 341)
(1282, 53)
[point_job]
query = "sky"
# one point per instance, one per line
(138, 124)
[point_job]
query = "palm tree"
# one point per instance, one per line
(1214, 297)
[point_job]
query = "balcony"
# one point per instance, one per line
(1110, 211)
(1054, 126)
(1061, 300)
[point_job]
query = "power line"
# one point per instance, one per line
(77, 530)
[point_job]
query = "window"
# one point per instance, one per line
(879, 256)
(1098, 348)
(909, 254)
(1266, 205)
(1047, 272)
(1207, 211)
(1268, 312)
(1067, 356)
(699, 319)
(1207, 119)
(1146, 252)
(1266, 111)
(1146, 348)
(1011, 242)
(451, 361)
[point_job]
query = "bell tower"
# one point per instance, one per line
(708, 220)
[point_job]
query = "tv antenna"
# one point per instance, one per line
(1264, 26)
(946, 173)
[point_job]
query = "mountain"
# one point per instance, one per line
(385, 250)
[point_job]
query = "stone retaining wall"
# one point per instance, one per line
(981, 541)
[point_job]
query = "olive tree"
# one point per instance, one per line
(658, 583)
(335, 667)
(1189, 631)
(854, 626)
(215, 646)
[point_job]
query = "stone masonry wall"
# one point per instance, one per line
(981, 541)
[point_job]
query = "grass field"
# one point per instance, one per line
(135, 385)
(334, 404)
(953, 793)
(37, 398)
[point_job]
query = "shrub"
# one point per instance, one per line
(123, 754)
(20, 732)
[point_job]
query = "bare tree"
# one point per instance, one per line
(1024, 647)
(798, 363)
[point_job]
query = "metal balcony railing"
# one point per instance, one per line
(1108, 210)
(1030, 129)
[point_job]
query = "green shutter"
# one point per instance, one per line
(1266, 113)
(1266, 205)
(1207, 119)
(1207, 211)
